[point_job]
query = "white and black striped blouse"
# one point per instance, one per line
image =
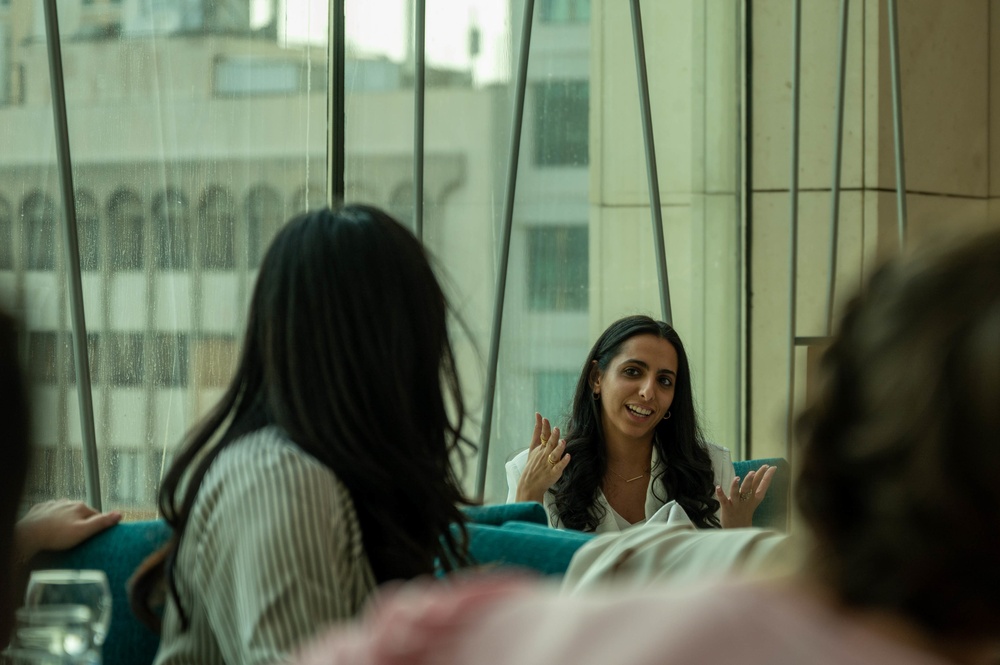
(272, 554)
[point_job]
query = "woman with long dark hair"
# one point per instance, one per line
(633, 443)
(326, 468)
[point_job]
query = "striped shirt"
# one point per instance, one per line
(272, 553)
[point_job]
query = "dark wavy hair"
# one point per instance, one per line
(13, 464)
(686, 474)
(347, 319)
(901, 447)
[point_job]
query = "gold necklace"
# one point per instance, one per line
(629, 480)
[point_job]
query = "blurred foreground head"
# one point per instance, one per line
(900, 465)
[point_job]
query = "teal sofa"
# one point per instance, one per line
(512, 535)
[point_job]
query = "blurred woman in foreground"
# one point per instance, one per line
(898, 486)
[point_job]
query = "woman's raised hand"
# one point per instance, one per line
(741, 502)
(547, 459)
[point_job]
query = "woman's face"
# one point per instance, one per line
(637, 388)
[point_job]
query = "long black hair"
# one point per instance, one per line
(347, 351)
(14, 413)
(686, 469)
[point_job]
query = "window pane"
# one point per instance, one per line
(128, 228)
(38, 216)
(6, 235)
(178, 111)
(170, 216)
(557, 268)
(88, 219)
(561, 116)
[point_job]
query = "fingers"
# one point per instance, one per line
(563, 462)
(734, 488)
(536, 435)
(556, 455)
(97, 523)
(765, 481)
(720, 495)
(543, 432)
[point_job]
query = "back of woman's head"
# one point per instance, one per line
(687, 479)
(902, 445)
(347, 350)
(13, 463)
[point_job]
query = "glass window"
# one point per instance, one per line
(88, 221)
(45, 360)
(557, 268)
(561, 126)
(38, 215)
(265, 214)
(170, 216)
(565, 11)
(125, 215)
(215, 360)
(6, 235)
(126, 359)
(94, 354)
(554, 393)
(169, 368)
(215, 229)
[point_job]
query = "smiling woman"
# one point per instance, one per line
(633, 443)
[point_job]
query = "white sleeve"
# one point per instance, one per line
(514, 469)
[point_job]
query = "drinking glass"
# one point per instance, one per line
(88, 588)
(53, 635)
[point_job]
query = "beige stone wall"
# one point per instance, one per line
(949, 108)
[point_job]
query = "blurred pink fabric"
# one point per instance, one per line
(511, 621)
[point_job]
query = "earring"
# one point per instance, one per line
(597, 396)
(667, 417)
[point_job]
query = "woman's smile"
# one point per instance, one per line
(637, 388)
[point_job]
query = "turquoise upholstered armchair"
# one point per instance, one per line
(512, 535)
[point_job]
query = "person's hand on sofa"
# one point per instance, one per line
(739, 505)
(59, 525)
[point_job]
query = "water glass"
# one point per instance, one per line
(53, 635)
(88, 588)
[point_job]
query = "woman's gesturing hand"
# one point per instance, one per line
(547, 459)
(738, 507)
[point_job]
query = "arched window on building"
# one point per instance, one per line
(6, 235)
(265, 215)
(127, 230)
(173, 234)
(38, 215)
(216, 218)
(88, 224)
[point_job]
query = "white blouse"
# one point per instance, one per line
(722, 465)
